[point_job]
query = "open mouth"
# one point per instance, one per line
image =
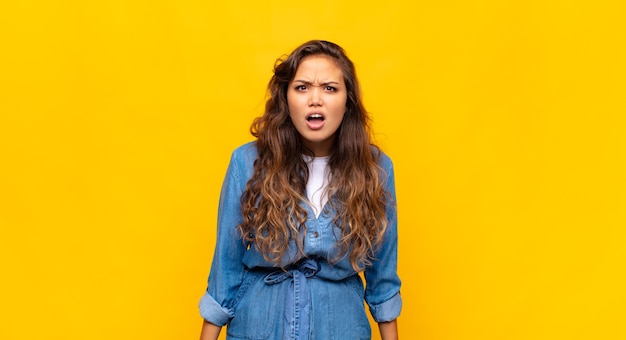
(315, 117)
(315, 121)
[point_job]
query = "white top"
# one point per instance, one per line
(319, 176)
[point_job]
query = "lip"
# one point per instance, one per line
(315, 124)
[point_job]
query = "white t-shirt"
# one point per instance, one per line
(319, 175)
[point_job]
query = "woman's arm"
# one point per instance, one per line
(209, 331)
(382, 288)
(226, 268)
(388, 330)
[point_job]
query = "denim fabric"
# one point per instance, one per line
(310, 298)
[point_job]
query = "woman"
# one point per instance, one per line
(303, 210)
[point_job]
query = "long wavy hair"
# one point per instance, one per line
(272, 201)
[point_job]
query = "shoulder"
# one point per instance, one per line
(245, 153)
(384, 161)
(242, 160)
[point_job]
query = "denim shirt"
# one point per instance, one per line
(239, 275)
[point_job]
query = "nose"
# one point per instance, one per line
(315, 98)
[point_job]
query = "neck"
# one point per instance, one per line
(320, 149)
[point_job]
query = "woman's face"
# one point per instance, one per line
(317, 102)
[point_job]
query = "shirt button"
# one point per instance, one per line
(316, 234)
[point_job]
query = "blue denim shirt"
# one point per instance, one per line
(317, 300)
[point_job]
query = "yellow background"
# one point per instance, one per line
(505, 120)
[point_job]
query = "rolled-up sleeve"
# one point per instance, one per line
(213, 312)
(226, 270)
(382, 292)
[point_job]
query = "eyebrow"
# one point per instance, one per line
(310, 83)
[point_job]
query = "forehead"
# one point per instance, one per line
(319, 66)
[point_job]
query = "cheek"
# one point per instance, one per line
(294, 103)
(340, 107)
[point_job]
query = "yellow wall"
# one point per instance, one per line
(505, 119)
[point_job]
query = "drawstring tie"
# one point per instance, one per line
(297, 301)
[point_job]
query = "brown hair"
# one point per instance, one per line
(271, 202)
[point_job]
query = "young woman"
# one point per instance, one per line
(303, 210)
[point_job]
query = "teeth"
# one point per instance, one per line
(315, 116)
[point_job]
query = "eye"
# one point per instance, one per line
(331, 88)
(300, 87)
